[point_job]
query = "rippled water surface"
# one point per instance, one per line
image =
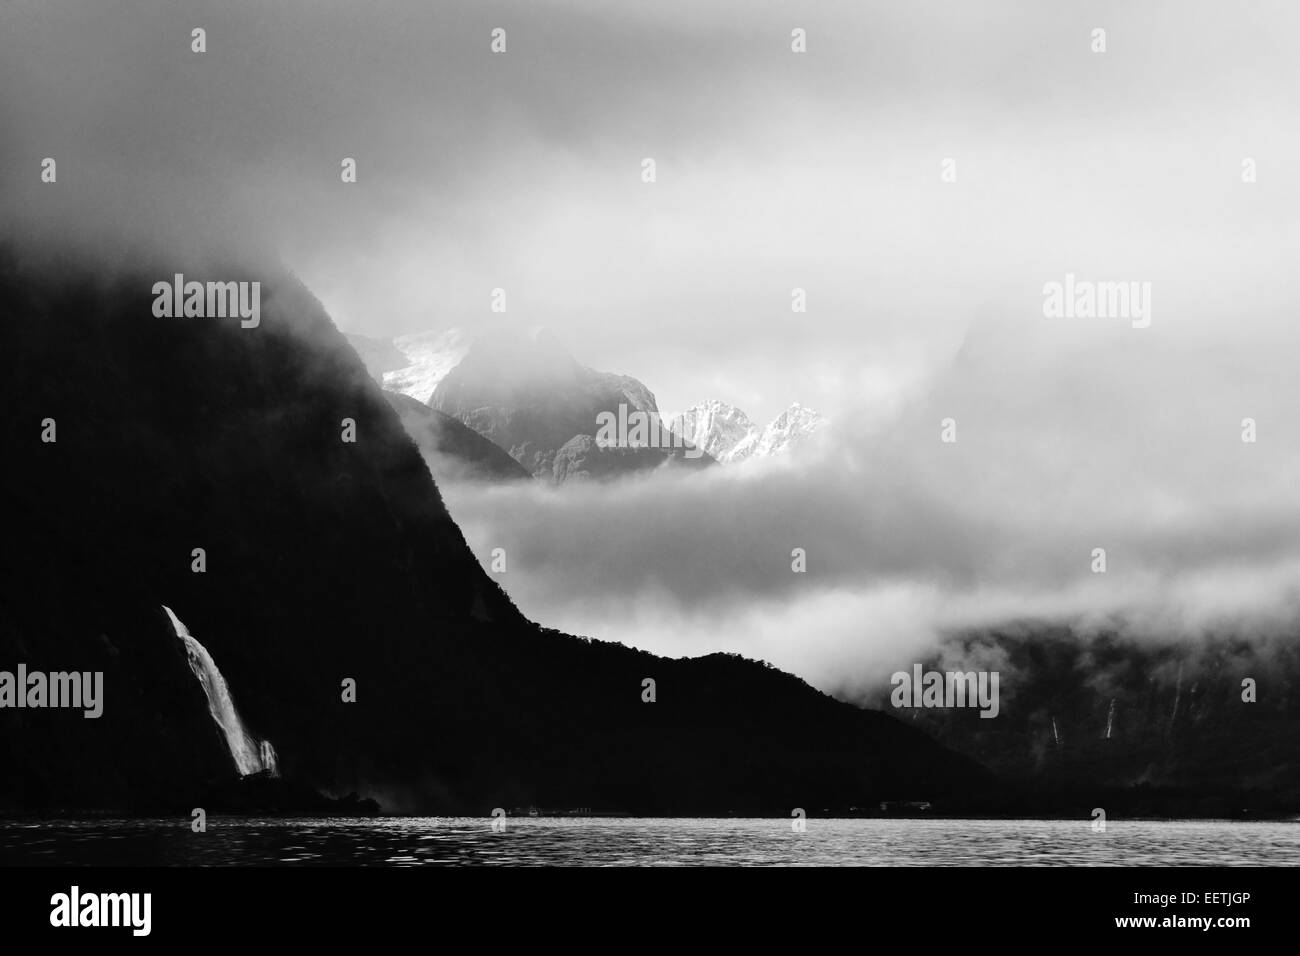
(409, 841)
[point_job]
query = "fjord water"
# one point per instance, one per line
(600, 841)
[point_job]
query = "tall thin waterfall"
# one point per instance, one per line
(250, 755)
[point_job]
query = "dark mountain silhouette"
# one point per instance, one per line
(1159, 726)
(529, 396)
(451, 449)
(328, 560)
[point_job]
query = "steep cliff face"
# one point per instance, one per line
(325, 559)
(328, 561)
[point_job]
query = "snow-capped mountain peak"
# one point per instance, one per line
(413, 365)
(729, 435)
(432, 356)
(788, 429)
(714, 426)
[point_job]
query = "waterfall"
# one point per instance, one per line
(1110, 718)
(250, 755)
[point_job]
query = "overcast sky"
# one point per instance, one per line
(775, 170)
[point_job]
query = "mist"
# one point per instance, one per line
(910, 540)
(820, 172)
